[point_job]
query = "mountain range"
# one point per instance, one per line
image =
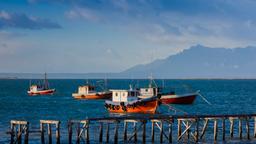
(196, 62)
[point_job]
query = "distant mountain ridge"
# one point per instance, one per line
(196, 62)
(202, 62)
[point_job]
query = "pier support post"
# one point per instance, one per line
(223, 129)
(161, 132)
(135, 131)
(204, 128)
(231, 127)
(77, 133)
(144, 132)
(215, 129)
(58, 133)
(179, 128)
(42, 132)
(240, 128)
(49, 133)
(248, 127)
(254, 133)
(49, 129)
(26, 133)
(170, 130)
(101, 132)
(125, 131)
(107, 133)
(116, 133)
(23, 127)
(153, 131)
(70, 125)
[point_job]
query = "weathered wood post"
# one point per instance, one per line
(248, 127)
(240, 128)
(101, 132)
(153, 131)
(196, 129)
(58, 133)
(215, 129)
(87, 122)
(26, 133)
(135, 131)
(254, 133)
(188, 130)
(161, 131)
(116, 133)
(170, 130)
(144, 131)
(78, 133)
(179, 128)
(70, 125)
(107, 133)
(204, 128)
(223, 129)
(12, 133)
(42, 132)
(19, 138)
(125, 131)
(49, 133)
(231, 127)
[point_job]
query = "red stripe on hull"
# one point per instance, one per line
(42, 92)
(179, 100)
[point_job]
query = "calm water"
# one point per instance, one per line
(226, 96)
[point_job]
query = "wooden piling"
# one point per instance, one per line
(19, 137)
(135, 131)
(215, 129)
(58, 133)
(87, 132)
(240, 128)
(26, 133)
(223, 129)
(70, 125)
(107, 133)
(12, 133)
(196, 129)
(204, 128)
(101, 132)
(248, 128)
(231, 127)
(153, 131)
(188, 129)
(125, 131)
(49, 133)
(254, 133)
(179, 128)
(42, 132)
(161, 132)
(78, 133)
(116, 133)
(144, 132)
(170, 131)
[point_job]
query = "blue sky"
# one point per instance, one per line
(81, 36)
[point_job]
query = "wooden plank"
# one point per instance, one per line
(49, 121)
(19, 122)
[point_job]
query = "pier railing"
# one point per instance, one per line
(155, 128)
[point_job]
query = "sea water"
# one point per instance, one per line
(225, 96)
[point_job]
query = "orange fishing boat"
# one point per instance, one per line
(41, 89)
(123, 102)
(88, 92)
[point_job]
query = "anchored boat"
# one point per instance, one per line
(88, 92)
(126, 101)
(42, 88)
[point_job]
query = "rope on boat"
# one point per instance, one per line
(175, 109)
(198, 92)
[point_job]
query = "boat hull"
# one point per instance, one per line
(178, 99)
(104, 95)
(42, 92)
(136, 107)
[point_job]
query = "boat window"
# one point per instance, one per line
(116, 94)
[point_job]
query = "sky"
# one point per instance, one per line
(84, 36)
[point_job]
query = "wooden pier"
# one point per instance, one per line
(142, 129)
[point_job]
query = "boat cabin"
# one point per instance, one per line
(123, 95)
(86, 89)
(33, 88)
(149, 92)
